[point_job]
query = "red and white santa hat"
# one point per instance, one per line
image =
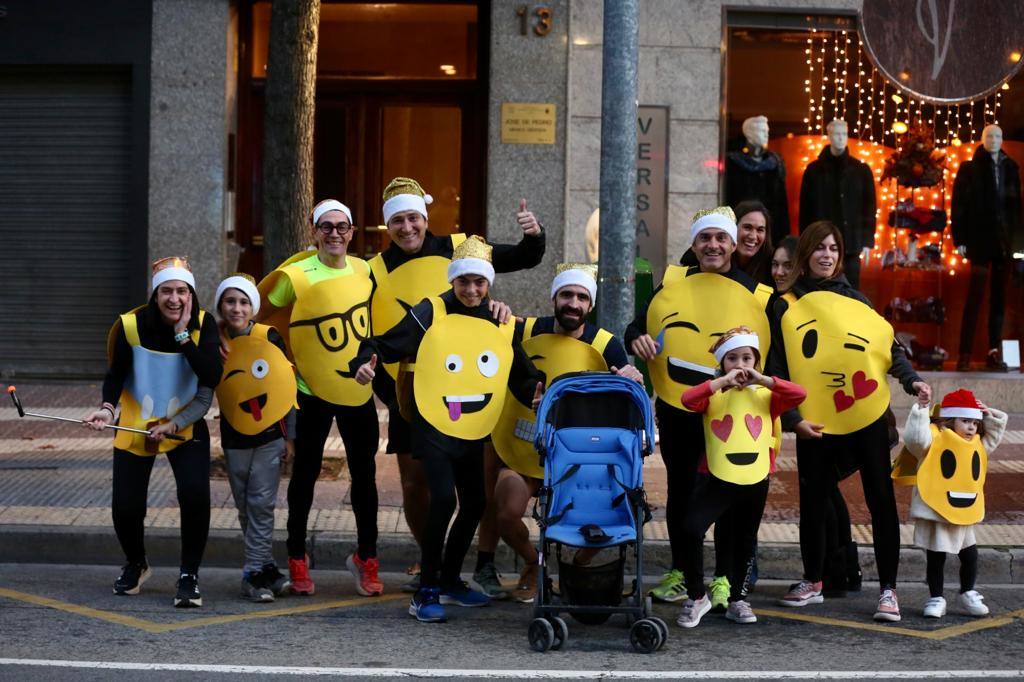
(960, 403)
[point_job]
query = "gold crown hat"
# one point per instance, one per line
(472, 257)
(170, 268)
(405, 194)
(579, 274)
(244, 283)
(721, 218)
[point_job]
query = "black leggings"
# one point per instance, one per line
(360, 433)
(681, 438)
(190, 463)
(968, 570)
(712, 499)
(451, 479)
(816, 460)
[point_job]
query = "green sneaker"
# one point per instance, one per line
(671, 588)
(489, 583)
(719, 590)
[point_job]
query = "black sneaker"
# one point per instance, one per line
(133, 574)
(255, 587)
(188, 591)
(994, 361)
(275, 580)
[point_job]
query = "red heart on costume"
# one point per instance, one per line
(862, 386)
(842, 401)
(722, 427)
(754, 425)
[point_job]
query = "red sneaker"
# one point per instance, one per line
(368, 583)
(299, 572)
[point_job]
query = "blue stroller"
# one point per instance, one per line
(593, 431)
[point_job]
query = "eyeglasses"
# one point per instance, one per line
(333, 329)
(327, 228)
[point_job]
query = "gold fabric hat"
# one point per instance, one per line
(579, 274)
(472, 257)
(172, 267)
(405, 194)
(721, 218)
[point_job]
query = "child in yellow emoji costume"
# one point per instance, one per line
(464, 361)
(947, 463)
(256, 395)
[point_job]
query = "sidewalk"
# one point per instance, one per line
(55, 502)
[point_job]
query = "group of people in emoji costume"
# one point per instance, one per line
(733, 364)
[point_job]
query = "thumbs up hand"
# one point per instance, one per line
(527, 220)
(365, 373)
(538, 393)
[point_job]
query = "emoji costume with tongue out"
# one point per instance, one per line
(258, 386)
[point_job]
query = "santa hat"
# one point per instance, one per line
(472, 257)
(173, 267)
(960, 403)
(738, 337)
(330, 205)
(581, 274)
(405, 194)
(244, 283)
(721, 218)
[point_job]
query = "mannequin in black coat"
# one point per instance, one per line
(986, 221)
(753, 172)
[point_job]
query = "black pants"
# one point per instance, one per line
(996, 304)
(936, 564)
(712, 498)
(816, 461)
(190, 463)
(360, 434)
(681, 438)
(451, 480)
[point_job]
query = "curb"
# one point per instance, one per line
(328, 550)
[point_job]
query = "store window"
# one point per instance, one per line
(801, 72)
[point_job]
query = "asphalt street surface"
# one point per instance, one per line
(65, 613)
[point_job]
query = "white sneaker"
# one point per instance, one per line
(693, 611)
(740, 612)
(935, 607)
(972, 603)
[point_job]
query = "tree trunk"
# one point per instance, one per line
(288, 129)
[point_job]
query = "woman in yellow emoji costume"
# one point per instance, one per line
(414, 266)
(740, 408)
(256, 396)
(947, 463)
(320, 303)
(464, 361)
(164, 366)
(828, 339)
(692, 307)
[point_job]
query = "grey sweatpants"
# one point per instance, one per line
(254, 474)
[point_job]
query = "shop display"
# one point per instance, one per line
(755, 172)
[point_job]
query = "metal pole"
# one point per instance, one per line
(617, 249)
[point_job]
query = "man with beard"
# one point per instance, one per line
(557, 345)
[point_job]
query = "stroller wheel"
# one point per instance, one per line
(663, 626)
(645, 636)
(561, 632)
(541, 634)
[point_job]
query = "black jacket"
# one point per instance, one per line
(764, 179)
(987, 222)
(840, 189)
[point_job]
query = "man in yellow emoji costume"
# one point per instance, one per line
(464, 360)
(689, 311)
(320, 303)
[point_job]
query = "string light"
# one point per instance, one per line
(809, 52)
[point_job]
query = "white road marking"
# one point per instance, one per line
(523, 674)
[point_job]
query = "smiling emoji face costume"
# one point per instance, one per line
(258, 387)
(738, 434)
(951, 477)
(840, 350)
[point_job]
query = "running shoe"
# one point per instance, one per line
(487, 579)
(255, 587)
(461, 594)
(972, 603)
(364, 571)
(426, 606)
(413, 585)
(188, 592)
(298, 569)
(276, 581)
(671, 588)
(802, 594)
(526, 588)
(935, 607)
(719, 591)
(693, 611)
(133, 574)
(888, 607)
(740, 612)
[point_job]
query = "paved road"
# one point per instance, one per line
(67, 613)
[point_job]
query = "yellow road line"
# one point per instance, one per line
(935, 635)
(157, 628)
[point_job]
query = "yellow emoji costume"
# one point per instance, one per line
(258, 387)
(738, 434)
